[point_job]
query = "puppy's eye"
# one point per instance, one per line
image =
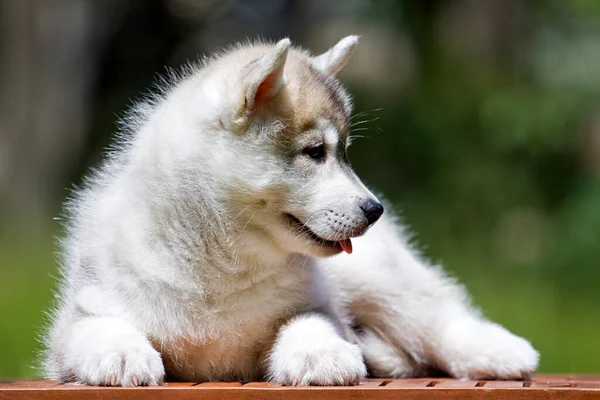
(315, 152)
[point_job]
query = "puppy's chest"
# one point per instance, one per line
(235, 354)
(258, 299)
(232, 334)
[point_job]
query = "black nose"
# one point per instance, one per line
(372, 210)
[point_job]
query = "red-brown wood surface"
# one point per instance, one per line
(541, 387)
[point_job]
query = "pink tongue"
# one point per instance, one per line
(346, 245)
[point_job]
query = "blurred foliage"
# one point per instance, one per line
(493, 158)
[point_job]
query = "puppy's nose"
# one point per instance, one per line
(372, 210)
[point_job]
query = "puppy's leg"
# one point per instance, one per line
(475, 348)
(310, 351)
(401, 339)
(384, 359)
(415, 308)
(105, 351)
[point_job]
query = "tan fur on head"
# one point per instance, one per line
(290, 83)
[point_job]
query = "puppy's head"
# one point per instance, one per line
(284, 121)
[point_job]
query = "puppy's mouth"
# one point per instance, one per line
(302, 230)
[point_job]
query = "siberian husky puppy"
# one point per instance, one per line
(227, 237)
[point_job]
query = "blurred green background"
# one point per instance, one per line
(482, 125)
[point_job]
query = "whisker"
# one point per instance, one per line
(352, 137)
(360, 129)
(234, 219)
(362, 113)
(249, 219)
(364, 121)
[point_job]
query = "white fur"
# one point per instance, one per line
(333, 60)
(182, 256)
(309, 351)
(411, 316)
(107, 350)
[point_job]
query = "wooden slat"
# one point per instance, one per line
(557, 384)
(502, 385)
(580, 377)
(410, 383)
(554, 377)
(179, 385)
(374, 383)
(456, 384)
(566, 377)
(28, 384)
(262, 385)
(543, 387)
(213, 385)
(587, 385)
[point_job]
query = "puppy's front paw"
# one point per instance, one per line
(484, 350)
(305, 355)
(125, 361)
(329, 362)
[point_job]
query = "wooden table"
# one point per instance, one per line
(541, 387)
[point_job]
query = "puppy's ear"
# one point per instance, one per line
(263, 78)
(333, 60)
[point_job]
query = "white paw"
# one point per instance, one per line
(304, 357)
(127, 361)
(484, 350)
